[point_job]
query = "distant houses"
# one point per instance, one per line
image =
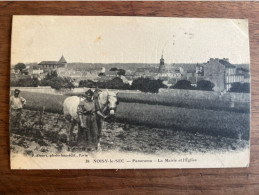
(76, 74)
(218, 71)
(44, 67)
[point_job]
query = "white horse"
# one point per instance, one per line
(106, 103)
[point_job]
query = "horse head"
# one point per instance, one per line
(108, 102)
(112, 102)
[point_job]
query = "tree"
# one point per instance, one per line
(121, 72)
(240, 87)
(25, 82)
(139, 84)
(87, 83)
(101, 74)
(155, 85)
(183, 84)
(52, 79)
(115, 83)
(147, 85)
(20, 66)
(205, 85)
(51, 75)
(113, 69)
(59, 83)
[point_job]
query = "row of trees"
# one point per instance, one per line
(142, 84)
(115, 83)
(208, 86)
(51, 79)
(201, 85)
(25, 82)
(146, 85)
(119, 71)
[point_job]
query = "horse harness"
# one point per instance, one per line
(97, 104)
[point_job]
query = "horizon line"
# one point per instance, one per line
(132, 63)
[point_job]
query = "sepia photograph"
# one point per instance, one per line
(116, 92)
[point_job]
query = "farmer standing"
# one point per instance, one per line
(87, 118)
(17, 103)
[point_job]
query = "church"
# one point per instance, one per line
(53, 65)
(162, 67)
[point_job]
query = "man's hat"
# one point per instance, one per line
(16, 91)
(97, 89)
(89, 93)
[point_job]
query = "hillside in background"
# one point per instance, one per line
(96, 66)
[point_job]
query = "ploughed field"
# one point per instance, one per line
(31, 139)
(207, 113)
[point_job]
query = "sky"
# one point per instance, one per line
(120, 39)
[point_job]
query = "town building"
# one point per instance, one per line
(219, 71)
(164, 72)
(76, 75)
(36, 70)
(223, 74)
(53, 65)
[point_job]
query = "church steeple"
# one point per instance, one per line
(162, 61)
(62, 60)
(162, 64)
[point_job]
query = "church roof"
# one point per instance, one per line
(62, 60)
(48, 63)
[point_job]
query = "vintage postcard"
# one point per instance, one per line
(98, 92)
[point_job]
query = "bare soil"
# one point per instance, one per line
(32, 139)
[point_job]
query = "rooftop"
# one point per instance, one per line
(48, 63)
(62, 60)
(226, 64)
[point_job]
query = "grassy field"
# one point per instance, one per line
(211, 122)
(186, 118)
(212, 103)
(51, 103)
(228, 102)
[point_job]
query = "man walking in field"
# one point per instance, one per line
(17, 103)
